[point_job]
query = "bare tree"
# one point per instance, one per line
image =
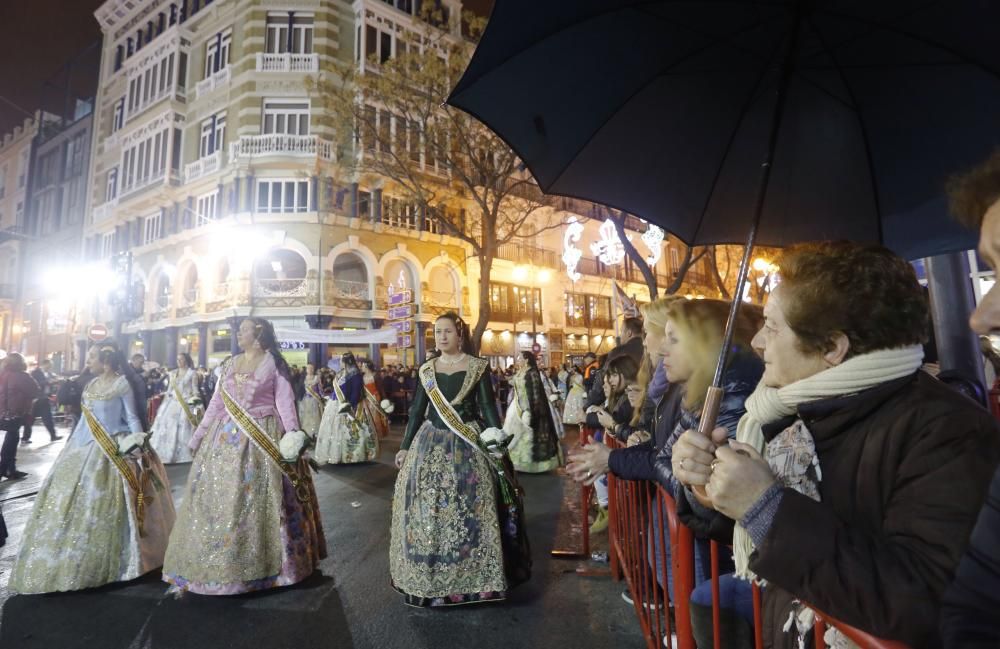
(394, 127)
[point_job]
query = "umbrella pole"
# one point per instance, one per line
(713, 399)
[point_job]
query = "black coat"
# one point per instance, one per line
(970, 616)
(906, 466)
(637, 462)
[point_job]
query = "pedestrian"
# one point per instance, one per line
(249, 519)
(18, 392)
(42, 407)
(374, 408)
(345, 435)
(457, 533)
(531, 421)
(104, 511)
(969, 617)
(860, 476)
(178, 415)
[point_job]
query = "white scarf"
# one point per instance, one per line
(767, 405)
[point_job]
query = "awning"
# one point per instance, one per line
(384, 336)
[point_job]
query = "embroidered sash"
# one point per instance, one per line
(462, 430)
(311, 390)
(262, 441)
(110, 448)
(184, 406)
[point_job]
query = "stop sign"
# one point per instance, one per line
(97, 332)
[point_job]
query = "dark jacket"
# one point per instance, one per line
(637, 462)
(970, 616)
(739, 382)
(18, 392)
(906, 466)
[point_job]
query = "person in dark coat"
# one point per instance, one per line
(857, 477)
(631, 341)
(970, 613)
(18, 392)
(42, 408)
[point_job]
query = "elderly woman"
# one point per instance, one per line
(857, 478)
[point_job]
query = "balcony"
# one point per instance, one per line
(525, 254)
(211, 83)
(250, 146)
(204, 166)
(104, 211)
(287, 62)
(133, 185)
(350, 295)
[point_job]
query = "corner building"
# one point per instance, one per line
(214, 167)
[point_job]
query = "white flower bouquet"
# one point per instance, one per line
(495, 440)
(387, 406)
(526, 417)
(554, 397)
(131, 442)
(292, 444)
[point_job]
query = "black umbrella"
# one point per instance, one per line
(785, 120)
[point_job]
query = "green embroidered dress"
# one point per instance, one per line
(446, 545)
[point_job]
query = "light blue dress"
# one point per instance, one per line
(83, 530)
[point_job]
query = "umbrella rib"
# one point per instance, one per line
(920, 39)
(639, 89)
(857, 37)
(861, 123)
(751, 97)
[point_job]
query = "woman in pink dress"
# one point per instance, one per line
(249, 519)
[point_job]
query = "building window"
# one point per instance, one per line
(22, 172)
(146, 161)
(289, 32)
(286, 117)
(277, 196)
(152, 227)
(364, 204)
(207, 206)
(217, 52)
(108, 244)
(118, 116)
(213, 133)
(111, 189)
(74, 157)
(397, 213)
(154, 83)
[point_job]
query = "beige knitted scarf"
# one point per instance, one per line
(767, 405)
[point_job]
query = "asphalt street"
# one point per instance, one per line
(347, 603)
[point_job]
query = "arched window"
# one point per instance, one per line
(441, 288)
(398, 275)
(191, 291)
(163, 291)
(350, 276)
(280, 271)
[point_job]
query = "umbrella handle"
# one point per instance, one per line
(709, 415)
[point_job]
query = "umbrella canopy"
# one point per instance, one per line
(666, 110)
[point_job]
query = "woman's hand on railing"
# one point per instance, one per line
(588, 463)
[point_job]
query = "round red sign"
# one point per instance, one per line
(536, 348)
(97, 332)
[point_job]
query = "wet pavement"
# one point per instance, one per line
(347, 603)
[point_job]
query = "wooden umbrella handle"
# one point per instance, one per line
(709, 415)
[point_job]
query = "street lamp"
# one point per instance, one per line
(534, 277)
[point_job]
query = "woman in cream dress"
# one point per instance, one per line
(104, 512)
(177, 418)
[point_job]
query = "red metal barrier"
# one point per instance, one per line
(631, 508)
(995, 402)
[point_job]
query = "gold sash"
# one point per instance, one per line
(110, 448)
(261, 440)
(311, 389)
(177, 394)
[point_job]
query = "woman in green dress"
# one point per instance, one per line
(457, 513)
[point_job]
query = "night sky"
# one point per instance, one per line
(40, 37)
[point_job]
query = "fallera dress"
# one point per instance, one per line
(311, 405)
(172, 429)
(453, 538)
(371, 409)
(345, 436)
(241, 526)
(534, 424)
(84, 527)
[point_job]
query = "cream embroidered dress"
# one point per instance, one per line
(534, 424)
(241, 526)
(345, 436)
(83, 530)
(311, 406)
(171, 431)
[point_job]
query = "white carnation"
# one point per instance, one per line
(526, 417)
(387, 406)
(554, 397)
(493, 436)
(291, 445)
(130, 442)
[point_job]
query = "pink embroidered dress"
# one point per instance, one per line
(241, 526)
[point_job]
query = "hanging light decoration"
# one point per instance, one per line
(571, 254)
(608, 248)
(653, 238)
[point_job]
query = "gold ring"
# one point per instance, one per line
(681, 464)
(714, 463)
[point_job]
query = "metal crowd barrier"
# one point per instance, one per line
(633, 528)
